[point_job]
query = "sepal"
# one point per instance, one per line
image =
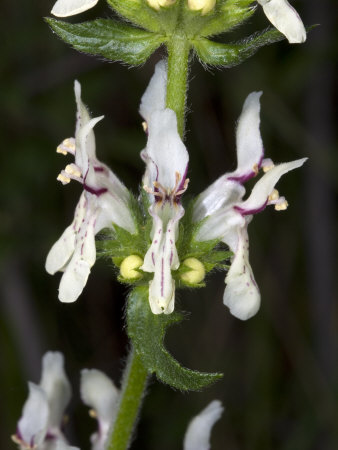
(108, 38)
(224, 17)
(147, 332)
(230, 55)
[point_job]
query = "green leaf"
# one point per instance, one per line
(229, 55)
(147, 332)
(108, 38)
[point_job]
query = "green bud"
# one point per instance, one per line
(197, 272)
(204, 6)
(156, 4)
(128, 266)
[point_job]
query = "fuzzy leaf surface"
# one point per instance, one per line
(229, 55)
(147, 332)
(108, 38)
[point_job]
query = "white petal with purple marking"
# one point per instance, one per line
(264, 187)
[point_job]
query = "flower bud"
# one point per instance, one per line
(201, 5)
(197, 272)
(128, 266)
(156, 4)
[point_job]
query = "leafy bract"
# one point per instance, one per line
(147, 332)
(229, 55)
(110, 39)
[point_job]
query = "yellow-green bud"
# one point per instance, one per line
(197, 272)
(201, 5)
(156, 4)
(128, 266)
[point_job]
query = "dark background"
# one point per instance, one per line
(280, 368)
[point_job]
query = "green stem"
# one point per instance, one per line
(178, 61)
(133, 386)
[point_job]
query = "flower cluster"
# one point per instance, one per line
(220, 213)
(42, 417)
(279, 12)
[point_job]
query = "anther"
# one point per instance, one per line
(73, 169)
(282, 206)
(63, 179)
(66, 146)
(273, 196)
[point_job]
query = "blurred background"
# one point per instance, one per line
(280, 382)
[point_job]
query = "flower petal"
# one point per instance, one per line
(286, 19)
(162, 256)
(32, 426)
(221, 194)
(65, 8)
(241, 294)
(63, 249)
(100, 393)
(55, 384)
(77, 271)
(220, 225)
(197, 436)
(250, 150)
(155, 95)
(166, 151)
(264, 187)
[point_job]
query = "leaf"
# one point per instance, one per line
(229, 55)
(108, 38)
(147, 332)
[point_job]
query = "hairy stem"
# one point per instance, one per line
(133, 387)
(178, 61)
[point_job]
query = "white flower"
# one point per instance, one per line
(285, 18)
(100, 393)
(165, 181)
(228, 215)
(104, 202)
(65, 8)
(40, 424)
(197, 436)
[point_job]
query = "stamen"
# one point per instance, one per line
(64, 180)
(73, 169)
(255, 169)
(282, 206)
(145, 126)
(92, 413)
(267, 165)
(16, 440)
(185, 187)
(67, 146)
(273, 196)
